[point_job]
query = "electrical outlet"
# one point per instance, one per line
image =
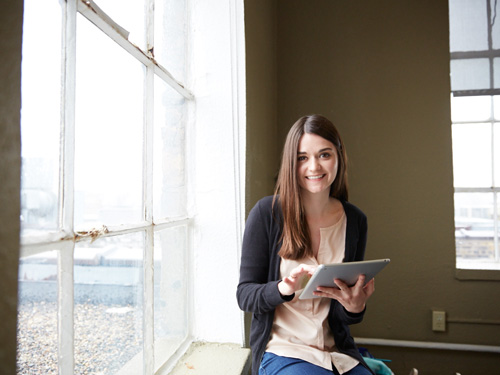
(439, 321)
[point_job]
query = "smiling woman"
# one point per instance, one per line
(301, 140)
(307, 222)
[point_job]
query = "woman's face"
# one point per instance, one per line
(317, 163)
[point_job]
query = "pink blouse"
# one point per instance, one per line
(298, 322)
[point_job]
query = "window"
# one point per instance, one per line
(105, 222)
(475, 112)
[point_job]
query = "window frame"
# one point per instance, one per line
(66, 238)
(472, 269)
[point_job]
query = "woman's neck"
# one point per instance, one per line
(316, 205)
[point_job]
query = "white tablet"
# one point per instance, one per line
(348, 272)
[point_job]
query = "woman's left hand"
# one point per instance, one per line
(352, 298)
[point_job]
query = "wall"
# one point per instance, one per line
(262, 145)
(216, 170)
(380, 71)
(10, 156)
(263, 151)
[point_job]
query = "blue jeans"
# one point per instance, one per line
(273, 364)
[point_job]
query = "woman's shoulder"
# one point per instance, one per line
(265, 212)
(352, 210)
(267, 204)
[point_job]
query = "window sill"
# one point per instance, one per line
(477, 274)
(204, 358)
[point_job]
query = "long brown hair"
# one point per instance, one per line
(296, 240)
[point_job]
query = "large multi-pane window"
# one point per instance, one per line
(475, 111)
(105, 227)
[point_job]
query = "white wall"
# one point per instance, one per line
(217, 168)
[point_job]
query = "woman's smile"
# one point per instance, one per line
(315, 177)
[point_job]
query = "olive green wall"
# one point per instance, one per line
(10, 159)
(380, 71)
(262, 145)
(263, 151)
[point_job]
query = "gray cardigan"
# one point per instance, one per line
(257, 290)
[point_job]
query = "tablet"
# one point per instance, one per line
(348, 272)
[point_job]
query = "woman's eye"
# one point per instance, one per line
(325, 155)
(301, 158)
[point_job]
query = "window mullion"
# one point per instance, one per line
(65, 314)
(67, 158)
(493, 166)
(66, 360)
(148, 307)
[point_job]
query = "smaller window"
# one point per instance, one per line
(475, 111)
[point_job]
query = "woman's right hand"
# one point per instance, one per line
(293, 282)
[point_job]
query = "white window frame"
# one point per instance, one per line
(490, 54)
(215, 157)
(64, 241)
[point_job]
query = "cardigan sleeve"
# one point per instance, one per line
(257, 291)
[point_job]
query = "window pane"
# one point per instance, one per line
(37, 314)
(472, 157)
(109, 131)
(40, 115)
(169, 152)
(128, 14)
(496, 107)
(171, 287)
(496, 72)
(470, 74)
(170, 36)
(468, 25)
(496, 27)
(496, 146)
(108, 304)
(474, 226)
(471, 108)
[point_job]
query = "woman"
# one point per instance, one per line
(307, 222)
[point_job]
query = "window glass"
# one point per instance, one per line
(128, 14)
(170, 288)
(169, 152)
(170, 36)
(495, 29)
(468, 22)
(471, 108)
(109, 131)
(108, 292)
(496, 107)
(496, 155)
(474, 226)
(37, 314)
(496, 73)
(472, 155)
(470, 74)
(40, 112)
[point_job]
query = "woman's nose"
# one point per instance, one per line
(314, 164)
